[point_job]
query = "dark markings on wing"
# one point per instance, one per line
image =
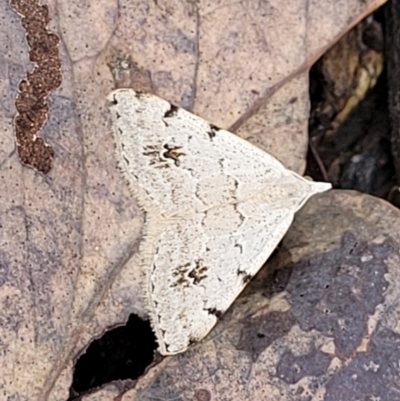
(193, 341)
(153, 153)
(139, 94)
(181, 269)
(186, 276)
(241, 217)
(246, 277)
(214, 311)
(173, 152)
(213, 131)
(159, 157)
(240, 247)
(173, 110)
(199, 272)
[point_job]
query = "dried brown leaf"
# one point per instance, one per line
(69, 267)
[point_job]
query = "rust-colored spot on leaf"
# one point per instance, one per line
(31, 101)
(202, 395)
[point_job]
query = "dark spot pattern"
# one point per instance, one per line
(212, 131)
(159, 157)
(173, 153)
(187, 276)
(199, 272)
(246, 278)
(172, 112)
(213, 311)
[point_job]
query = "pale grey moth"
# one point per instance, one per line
(216, 207)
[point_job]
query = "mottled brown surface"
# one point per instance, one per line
(69, 239)
(320, 321)
(215, 60)
(260, 332)
(291, 368)
(332, 292)
(31, 101)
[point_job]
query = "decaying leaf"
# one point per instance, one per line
(320, 321)
(69, 240)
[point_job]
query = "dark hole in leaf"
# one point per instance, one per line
(121, 353)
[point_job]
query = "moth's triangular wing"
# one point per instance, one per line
(178, 163)
(200, 264)
(217, 207)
